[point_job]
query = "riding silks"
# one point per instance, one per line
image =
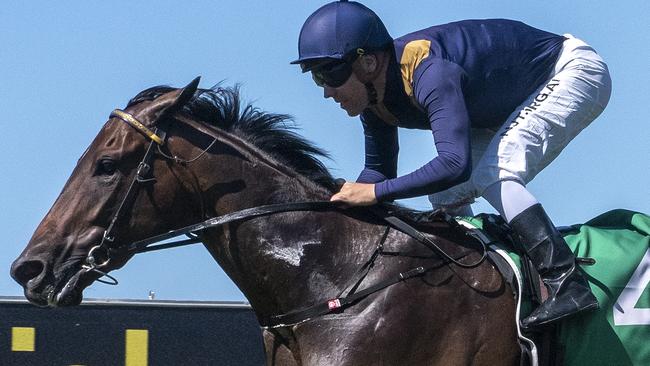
(618, 332)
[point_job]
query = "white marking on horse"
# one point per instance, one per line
(290, 255)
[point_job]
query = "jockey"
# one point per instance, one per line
(502, 100)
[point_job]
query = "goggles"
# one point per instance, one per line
(333, 74)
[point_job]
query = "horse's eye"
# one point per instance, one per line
(106, 166)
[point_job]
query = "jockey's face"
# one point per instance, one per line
(351, 96)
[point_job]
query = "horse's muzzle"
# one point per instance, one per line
(32, 274)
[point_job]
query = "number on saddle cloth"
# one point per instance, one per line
(618, 332)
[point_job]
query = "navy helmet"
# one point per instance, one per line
(339, 31)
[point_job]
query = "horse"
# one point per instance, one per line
(207, 154)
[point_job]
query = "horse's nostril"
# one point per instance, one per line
(25, 271)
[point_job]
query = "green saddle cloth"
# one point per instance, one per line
(618, 333)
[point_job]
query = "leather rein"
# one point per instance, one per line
(101, 254)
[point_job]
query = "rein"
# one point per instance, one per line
(100, 255)
(147, 245)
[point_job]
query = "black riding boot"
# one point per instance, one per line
(568, 290)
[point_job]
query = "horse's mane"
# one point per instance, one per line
(270, 132)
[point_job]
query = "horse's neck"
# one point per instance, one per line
(282, 260)
(232, 178)
(259, 184)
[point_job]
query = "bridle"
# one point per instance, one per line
(107, 246)
(100, 255)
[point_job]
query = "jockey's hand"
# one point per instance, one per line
(356, 194)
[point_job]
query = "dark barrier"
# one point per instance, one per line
(130, 333)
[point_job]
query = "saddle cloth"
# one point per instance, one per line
(618, 333)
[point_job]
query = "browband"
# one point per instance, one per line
(137, 125)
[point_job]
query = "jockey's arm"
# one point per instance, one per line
(438, 90)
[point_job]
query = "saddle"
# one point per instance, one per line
(613, 250)
(539, 348)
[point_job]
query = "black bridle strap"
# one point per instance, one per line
(402, 226)
(140, 177)
(364, 270)
(157, 137)
(245, 214)
(193, 231)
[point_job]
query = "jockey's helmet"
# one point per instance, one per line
(340, 31)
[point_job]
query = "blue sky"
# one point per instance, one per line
(64, 68)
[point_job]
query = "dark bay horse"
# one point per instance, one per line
(217, 157)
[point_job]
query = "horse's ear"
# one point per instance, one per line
(170, 103)
(187, 92)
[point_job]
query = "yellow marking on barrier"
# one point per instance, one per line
(137, 347)
(23, 339)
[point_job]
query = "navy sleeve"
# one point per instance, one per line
(438, 89)
(382, 147)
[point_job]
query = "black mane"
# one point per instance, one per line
(273, 133)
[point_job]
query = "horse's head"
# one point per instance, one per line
(105, 201)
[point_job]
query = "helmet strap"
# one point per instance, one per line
(370, 77)
(372, 93)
